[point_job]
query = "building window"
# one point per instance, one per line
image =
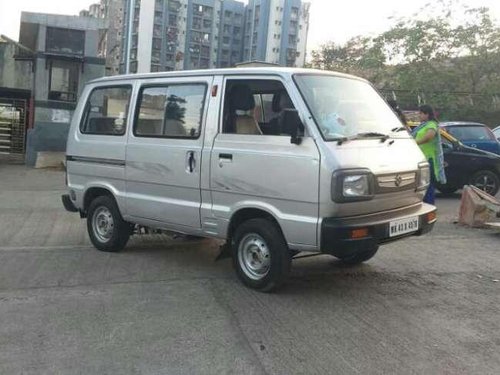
(106, 111)
(65, 41)
(155, 56)
(156, 44)
(207, 23)
(173, 111)
(172, 20)
(63, 80)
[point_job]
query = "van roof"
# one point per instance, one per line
(228, 71)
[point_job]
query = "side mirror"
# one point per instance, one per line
(292, 125)
(446, 146)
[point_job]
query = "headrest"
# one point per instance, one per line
(281, 101)
(241, 98)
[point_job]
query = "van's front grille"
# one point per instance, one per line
(394, 182)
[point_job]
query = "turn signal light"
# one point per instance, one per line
(359, 233)
(431, 217)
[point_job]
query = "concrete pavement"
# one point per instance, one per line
(427, 305)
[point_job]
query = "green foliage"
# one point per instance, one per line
(447, 55)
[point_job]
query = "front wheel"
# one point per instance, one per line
(487, 181)
(359, 257)
(447, 189)
(106, 227)
(260, 255)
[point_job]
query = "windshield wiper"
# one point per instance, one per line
(383, 137)
(399, 129)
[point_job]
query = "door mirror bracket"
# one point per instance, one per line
(291, 124)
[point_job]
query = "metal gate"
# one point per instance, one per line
(13, 120)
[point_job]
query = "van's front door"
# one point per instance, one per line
(254, 165)
(164, 150)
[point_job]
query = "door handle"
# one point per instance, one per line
(225, 159)
(190, 162)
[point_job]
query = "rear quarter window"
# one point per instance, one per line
(106, 111)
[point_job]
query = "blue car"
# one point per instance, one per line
(474, 135)
(496, 131)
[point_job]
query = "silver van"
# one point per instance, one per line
(275, 161)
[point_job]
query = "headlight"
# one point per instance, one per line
(424, 176)
(355, 186)
(352, 185)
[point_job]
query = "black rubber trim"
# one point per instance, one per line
(335, 236)
(68, 204)
(85, 159)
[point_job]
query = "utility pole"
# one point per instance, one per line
(130, 24)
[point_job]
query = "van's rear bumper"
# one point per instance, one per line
(337, 233)
(68, 204)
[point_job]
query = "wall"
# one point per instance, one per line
(13, 74)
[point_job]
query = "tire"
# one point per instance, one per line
(260, 255)
(447, 189)
(105, 225)
(359, 257)
(486, 181)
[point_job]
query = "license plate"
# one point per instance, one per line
(403, 226)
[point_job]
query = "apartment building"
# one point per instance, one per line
(110, 39)
(276, 31)
(183, 35)
(200, 34)
(232, 25)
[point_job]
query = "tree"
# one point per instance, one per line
(444, 49)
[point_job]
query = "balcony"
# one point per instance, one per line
(174, 6)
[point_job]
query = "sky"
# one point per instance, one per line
(331, 20)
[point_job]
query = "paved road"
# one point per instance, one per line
(427, 305)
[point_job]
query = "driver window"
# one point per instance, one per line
(255, 107)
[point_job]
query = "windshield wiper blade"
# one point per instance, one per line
(399, 129)
(341, 140)
(383, 137)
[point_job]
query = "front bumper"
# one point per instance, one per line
(337, 233)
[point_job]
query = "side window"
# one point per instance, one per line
(255, 106)
(106, 111)
(170, 111)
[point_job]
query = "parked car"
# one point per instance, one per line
(496, 131)
(469, 166)
(329, 170)
(474, 135)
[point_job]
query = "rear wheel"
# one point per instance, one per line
(260, 255)
(487, 181)
(359, 257)
(106, 227)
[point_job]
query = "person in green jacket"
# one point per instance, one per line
(428, 138)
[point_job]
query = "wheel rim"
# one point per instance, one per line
(485, 183)
(103, 224)
(254, 256)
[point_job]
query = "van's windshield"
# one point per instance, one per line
(347, 108)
